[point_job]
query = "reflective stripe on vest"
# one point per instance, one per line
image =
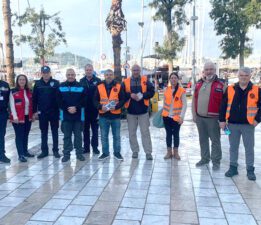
(252, 99)
(114, 96)
(143, 83)
(177, 103)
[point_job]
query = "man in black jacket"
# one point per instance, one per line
(4, 100)
(70, 98)
(46, 109)
(90, 82)
(239, 115)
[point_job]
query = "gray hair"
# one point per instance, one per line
(245, 69)
(88, 65)
(209, 63)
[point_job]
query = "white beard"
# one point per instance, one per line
(208, 78)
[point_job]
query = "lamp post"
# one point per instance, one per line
(141, 24)
(127, 50)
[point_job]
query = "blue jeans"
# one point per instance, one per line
(115, 125)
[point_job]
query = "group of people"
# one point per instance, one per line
(92, 103)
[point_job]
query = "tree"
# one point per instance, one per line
(116, 23)
(46, 32)
(233, 18)
(172, 13)
(8, 41)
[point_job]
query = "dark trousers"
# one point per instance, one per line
(3, 122)
(69, 128)
(44, 121)
(172, 130)
(21, 136)
(93, 123)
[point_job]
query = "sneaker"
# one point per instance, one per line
(250, 173)
(42, 155)
(22, 159)
(216, 166)
(149, 157)
(232, 171)
(103, 156)
(80, 157)
(135, 155)
(85, 151)
(4, 159)
(65, 158)
(201, 163)
(118, 156)
(56, 155)
(27, 154)
(96, 151)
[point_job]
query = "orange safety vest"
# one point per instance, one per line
(114, 96)
(143, 81)
(177, 103)
(252, 100)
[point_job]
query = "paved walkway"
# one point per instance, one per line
(133, 192)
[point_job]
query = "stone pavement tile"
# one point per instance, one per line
(160, 182)
(184, 217)
(210, 221)
(111, 196)
(211, 212)
(78, 211)
(20, 192)
(99, 218)
(91, 191)
(256, 213)
(30, 184)
(203, 192)
(126, 222)
(139, 185)
(48, 215)
(19, 179)
(158, 199)
(253, 202)
(236, 208)
(227, 189)
(203, 184)
(9, 186)
(136, 194)
(133, 203)
(106, 206)
(65, 220)
(159, 190)
(157, 209)
(223, 181)
(183, 205)
(85, 200)
(129, 214)
(207, 201)
(64, 194)
(97, 183)
(11, 201)
(155, 220)
(240, 219)
(183, 195)
(28, 207)
(38, 223)
(259, 222)
(233, 198)
(15, 218)
(55, 203)
(4, 211)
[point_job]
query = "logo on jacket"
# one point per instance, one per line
(144, 83)
(252, 96)
(52, 84)
(177, 98)
(115, 89)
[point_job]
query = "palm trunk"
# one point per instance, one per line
(8, 42)
(116, 45)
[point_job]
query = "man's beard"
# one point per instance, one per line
(209, 77)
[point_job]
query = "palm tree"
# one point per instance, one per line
(116, 23)
(8, 41)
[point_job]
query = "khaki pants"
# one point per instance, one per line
(144, 123)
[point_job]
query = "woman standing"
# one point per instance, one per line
(174, 108)
(21, 115)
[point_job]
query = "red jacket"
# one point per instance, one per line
(215, 98)
(19, 101)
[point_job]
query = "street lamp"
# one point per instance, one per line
(141, 24)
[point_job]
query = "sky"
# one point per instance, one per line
(81, 23)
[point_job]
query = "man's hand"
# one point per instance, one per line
(255, 123)
(222, 125)
(15, 121)
(35, 116)
(180, 121)
(104, 108)
(72, 109)
(134, 97)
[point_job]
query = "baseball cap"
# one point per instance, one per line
(45, 69)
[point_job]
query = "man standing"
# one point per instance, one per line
(109, 99)
(70, 98)
(90, 82)
(205, 109)
(4, 99)
(138, 91)
(240, 108)
(46, 109)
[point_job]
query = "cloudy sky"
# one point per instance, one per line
(81, 18)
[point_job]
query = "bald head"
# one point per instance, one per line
(135, 69)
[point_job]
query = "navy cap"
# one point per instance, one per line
(45, 69)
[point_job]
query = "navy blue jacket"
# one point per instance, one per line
(44, 97)
(71, 94)
(4, 97)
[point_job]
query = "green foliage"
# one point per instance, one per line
(232, 19)
(46, 32)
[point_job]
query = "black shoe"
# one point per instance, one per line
(86, 151)
(149, 157)
(65, 158)
(42, 155)
(201, 163)
(250, 173)
(22, 159)
(4, 159)
(118, 156)
(56, 155)
(103, 156)
(135, 155)
(80, 157)
(96, 151)
(216, 166)
(232, 171)
(27, 154)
